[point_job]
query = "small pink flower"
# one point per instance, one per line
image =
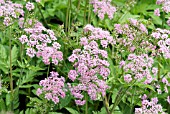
(157, 12)
(29, 6)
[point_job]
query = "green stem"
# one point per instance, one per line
(86, 110)
(48, 70)
(159, 68)
(106, 104)
(78, 8)
(10, 62)
(67, 16)
(84, 21)
(45, 21)
(120, 96)
(89, 13)
(69, 19)
(163, 20)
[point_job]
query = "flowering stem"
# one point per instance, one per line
(46, 24)
(10, 62)
(84, 21)
(48, 70)
(163, 20)
(69, 21)
(120, 95)
(67, 16)
(86, 110)
(78, 8)
(106, 104)
(159, 68)
(89, 13)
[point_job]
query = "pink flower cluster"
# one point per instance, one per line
(164, 87)
(91, 65)
(41, 42)
(165, 5)
(163, 41)
(10, 11)
(138, 67)
(168, 22)
(29, 6)
(102, 7)
(133, 34)
(52, 87)
(150, 107)
(139, 25)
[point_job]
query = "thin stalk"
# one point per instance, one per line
(48, 70)
(106, 105)
(84, 21)
(10, 62)
(89, 13)
(69, 19)
(159, 68)
(163, 20)
(78, 8)
(45, 21)
(132, 101)
(120, 95)
(86, 108)
(67, 16)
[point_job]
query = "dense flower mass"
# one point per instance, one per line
(10, 11)
(161, 36)
(102, 7)
(139, 68)
(52, 87)
(91, 66)
(133, 37)
(150, 107)
(165, 5)
(40, 41)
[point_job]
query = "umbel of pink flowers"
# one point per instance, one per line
(91, 65)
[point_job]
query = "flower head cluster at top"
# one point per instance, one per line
(102, 7)
(10, 11)
(165, 7)
(150, 107)
(133, 37)
(52, 87)
(41, 42)
(139, 68)
(161, 36)
(162, 88)
(91, 65)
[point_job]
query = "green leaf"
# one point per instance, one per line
(64, 102)
(2, 105)
(126, 16)
(114, 94)
(54, 113)
(8, 99)
(72, 111)
(3, 54)
(14, 54)
(4, 67)
(145, 86)
(25, 86)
